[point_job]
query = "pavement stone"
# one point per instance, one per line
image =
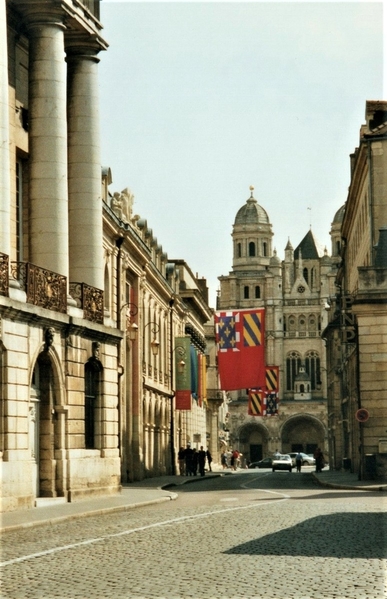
(150, 491)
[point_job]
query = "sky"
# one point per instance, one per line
(199, 101)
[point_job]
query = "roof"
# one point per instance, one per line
(308, 248)
(251, 213)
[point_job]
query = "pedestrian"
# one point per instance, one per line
(223, 460)
(209, 459)
(201, 460)
(188, 458)
(319, 457)
(195, 457)
(234, 459)
(298, 462)
(181, 460)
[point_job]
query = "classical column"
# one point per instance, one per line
(48, 143)
(85, 202)
(5, 194)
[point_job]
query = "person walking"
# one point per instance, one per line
(188, 458)
(223, 460)
(298, 462)
(195, 457)
(181, 460)
(201, 460)
(209, 460)
(319, 457)
(234, 459)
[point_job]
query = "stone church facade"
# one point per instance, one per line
(294, 294)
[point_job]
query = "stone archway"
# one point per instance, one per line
(253, 442)
(47, 442)
(302, 432)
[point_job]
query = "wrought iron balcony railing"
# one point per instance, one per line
(89, 299)
(43, 287)
(4, 274)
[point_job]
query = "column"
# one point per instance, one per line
(5, 193)
(84, 163)
(48, 144)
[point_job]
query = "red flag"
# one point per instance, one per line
(183, 400)
(240, 339)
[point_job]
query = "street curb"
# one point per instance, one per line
(192, 479)
(372, 488)
(99, 512)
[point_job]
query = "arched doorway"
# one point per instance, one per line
(302, 433)
(44, 430)
(253, 439)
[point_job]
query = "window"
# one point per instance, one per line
(246, 292)
(312, 367)
(293, 363)
(264, 248)
(93, 369)
(251, 248)
(19, 211)
(239, 250)
(305, 274)
(257, 292)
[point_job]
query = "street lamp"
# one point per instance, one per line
(131, 327)
(155, 343)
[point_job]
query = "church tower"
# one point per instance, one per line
(293, 293)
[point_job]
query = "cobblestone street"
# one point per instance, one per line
(273, 536)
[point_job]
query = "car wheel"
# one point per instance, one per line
(305, 463)
(273, 469)
(290, 469)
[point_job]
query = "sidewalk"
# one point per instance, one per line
(147, 492)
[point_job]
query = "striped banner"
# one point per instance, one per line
(256, 397)
(272, 379)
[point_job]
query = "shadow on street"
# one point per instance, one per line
(341, 535)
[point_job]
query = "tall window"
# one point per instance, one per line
(306, 275)
(19, 211)
(264, 247)
(312, 367)
(257, 292)
(293, 363)
(239, 250)
(93, 370)
(246, 292)
(251, 248)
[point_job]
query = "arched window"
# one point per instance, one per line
(292, 323)
(306, 275)
(251, 248)
(302, 323)
(246, 292)
(312, 322)
(239, 250)
(312, 367)
(264, 248)
(257, 292)
(293, 363)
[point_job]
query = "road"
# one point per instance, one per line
(253, 534)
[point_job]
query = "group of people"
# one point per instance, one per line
(319, 460)
(192, 460)
(233, 459)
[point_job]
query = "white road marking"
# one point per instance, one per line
(140, 529)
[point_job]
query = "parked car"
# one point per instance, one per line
(282, 462)
(306, 459)
(265, 463)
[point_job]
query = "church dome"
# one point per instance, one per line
(251, 213)
(338, 218)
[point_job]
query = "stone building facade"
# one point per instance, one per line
(356, 334)
(90, 305)
(294, 294)
(161, 301)
(58, 358)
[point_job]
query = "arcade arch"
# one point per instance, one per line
(302, 432)
(253, 441)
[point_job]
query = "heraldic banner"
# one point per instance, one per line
(182, 373)
(240, 339)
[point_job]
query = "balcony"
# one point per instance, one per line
(43, 287)
(4, 274)
(89, 299)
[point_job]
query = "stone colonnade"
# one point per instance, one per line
(64, 150)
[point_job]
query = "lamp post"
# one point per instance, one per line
(182, 355)
(155, 343)
(131, 327)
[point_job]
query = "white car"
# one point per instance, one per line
(306, 459)
(282, 462)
